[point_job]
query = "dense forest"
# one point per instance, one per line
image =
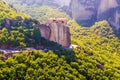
(19, 30)
(97, 56)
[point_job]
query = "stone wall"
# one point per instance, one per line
(55, 29)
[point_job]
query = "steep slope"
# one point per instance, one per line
(78, 32)
(19, 30)
(97, 57)
(109, 13)
(85, 12)
(90, 11)
(105, 5)
(9, 12)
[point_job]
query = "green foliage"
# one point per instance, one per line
(37, 65)
(40, 13)
(24, 33)
(96, 45)
(7, 11)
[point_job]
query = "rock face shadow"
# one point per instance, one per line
(69, 55)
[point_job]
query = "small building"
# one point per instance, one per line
(73, 46)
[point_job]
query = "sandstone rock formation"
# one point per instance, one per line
(84, 11)
(45, 31)
(90, 11)
(109, 10)
(56, 30)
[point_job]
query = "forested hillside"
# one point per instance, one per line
(97, 56)
(19, 30)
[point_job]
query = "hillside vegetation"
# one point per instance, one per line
(13, 35)
(97, 56)
(19, 30)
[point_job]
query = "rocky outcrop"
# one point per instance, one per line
(109, 10)
(84, 11)
(11, 22)
(90, 11)
(56, 30)
(45, 31)
(100, 66)
(19, 21)
(105, 5)
(8, 22)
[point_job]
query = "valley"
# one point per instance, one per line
(47, 32)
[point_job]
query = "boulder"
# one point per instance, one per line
(13, 22)
(22, 23)
(100, 66)
(118, 68)
(19, 18)
(8, 22)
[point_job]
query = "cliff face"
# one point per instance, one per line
(56, 30)
(90, 11)
(106, 4)
(84, 11)
(45, 31)
(106, 9)
(109, 10)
